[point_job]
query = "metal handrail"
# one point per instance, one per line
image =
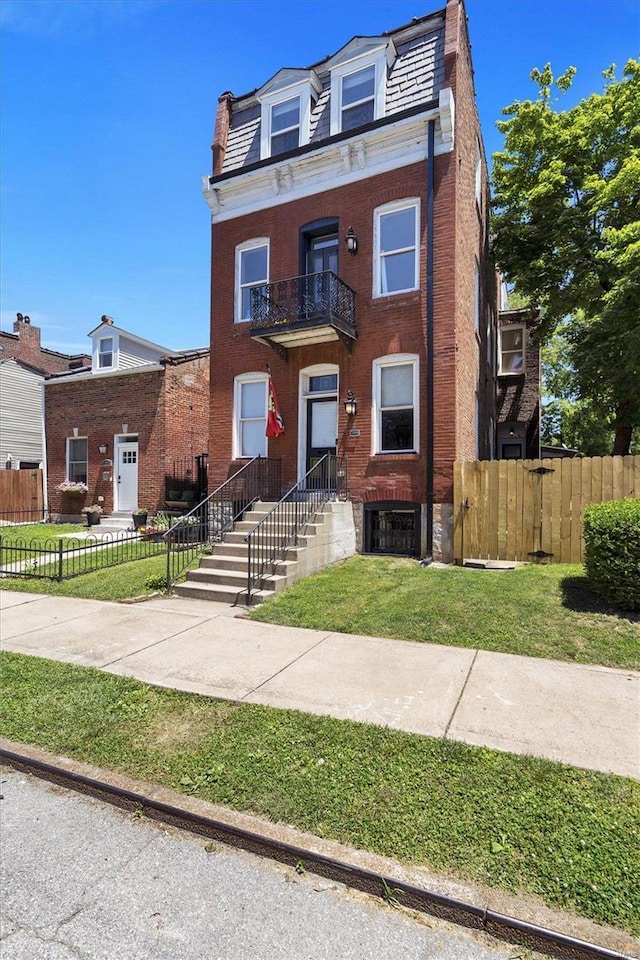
(214, 516)
(270, 537)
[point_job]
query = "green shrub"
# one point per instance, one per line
(612, 551)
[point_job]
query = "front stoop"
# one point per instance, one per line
(222, 575)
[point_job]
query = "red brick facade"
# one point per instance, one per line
(464, 382)
(167, 409)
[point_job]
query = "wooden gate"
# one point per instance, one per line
(21, 495)
(532, 509)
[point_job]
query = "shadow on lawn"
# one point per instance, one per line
(578, 595)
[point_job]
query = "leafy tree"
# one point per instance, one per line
(567, 232)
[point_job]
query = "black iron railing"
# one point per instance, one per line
(269, 539)
(208, 522)
(317, 297)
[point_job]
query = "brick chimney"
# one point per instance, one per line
(29, 336)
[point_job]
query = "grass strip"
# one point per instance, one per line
(546, 611)
(570, 836)
(120, 582)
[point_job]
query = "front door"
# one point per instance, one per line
(322, 256)
(322, 427)
(126, 476)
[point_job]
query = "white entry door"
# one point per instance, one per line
(127, 477)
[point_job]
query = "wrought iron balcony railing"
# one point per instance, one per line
(318, 299)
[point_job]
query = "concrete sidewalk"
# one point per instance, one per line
(587, 716)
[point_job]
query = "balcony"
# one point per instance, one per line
(316, 308)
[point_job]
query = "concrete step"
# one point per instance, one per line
(233, 578)
(220, 593)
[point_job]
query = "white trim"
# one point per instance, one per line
(67, 460)
(389, 208)
(305, 91)
(114, 351)
(242, 378)
(394, 360)
(364, 155)
(248, 245)
(476, 296)
(505, 329)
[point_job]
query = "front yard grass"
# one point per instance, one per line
(535, 610)
(122, 582)
(570, 836)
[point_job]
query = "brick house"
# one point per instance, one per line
(519, 378)
(350, 259)
(24, 344)
(120, 423)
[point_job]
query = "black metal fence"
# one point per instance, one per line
(269, 539)
(317, 296)
(61, 558)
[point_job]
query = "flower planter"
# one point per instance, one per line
(93, 519)
(139, 520)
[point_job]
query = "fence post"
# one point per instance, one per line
(168, 577)
(60, 553)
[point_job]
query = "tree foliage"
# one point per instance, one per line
(567, 231)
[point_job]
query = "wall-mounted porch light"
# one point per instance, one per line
(102, 448)
(350, 405)
(351, 241)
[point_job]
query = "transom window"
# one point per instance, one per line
(395, 404)
(252, 271)
(285, 126)
(250, 415)
(328, 383)
(512, 350)
(77, 459)
(396, 248)
(358, 98)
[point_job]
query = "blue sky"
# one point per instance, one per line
(107, 118)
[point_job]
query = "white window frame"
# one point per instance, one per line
(378, 60)
(242, 248)
(68, 461)
(476, 296)
(395, 207)
(304, 91)
(380, 363)
(478, 174)
(238, 383)
(102, 353)
(510, 328)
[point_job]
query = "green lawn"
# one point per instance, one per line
(39, 531)
(515, 823)
(538, 610)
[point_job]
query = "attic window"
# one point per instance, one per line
(358, 98)
(359, 82)
(286, 102)
(285, 126)
(105, 352)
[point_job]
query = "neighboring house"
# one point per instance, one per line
(519, 378)
(122, 422)
(24, 344)
(21, 416)
(349, 208)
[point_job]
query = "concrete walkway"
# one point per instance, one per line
(587, 716)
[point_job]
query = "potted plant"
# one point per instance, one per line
(156, 527)
(93, 514)
(139, 518)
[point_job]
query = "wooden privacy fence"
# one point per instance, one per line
(532, 509)
(21, 495)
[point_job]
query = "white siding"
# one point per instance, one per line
(134, 354)
(21, 428)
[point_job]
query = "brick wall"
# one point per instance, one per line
(24, 344)
(168, 409)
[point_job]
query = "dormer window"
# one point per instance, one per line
(358, 98)
(105, 352)
(285, 126)
(359, 81)
(286, 110)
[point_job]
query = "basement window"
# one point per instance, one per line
(392, 528)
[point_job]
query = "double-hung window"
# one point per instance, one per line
(250, 415)
(512, 350)
(105, 352)
(396, 233)
(358, 98)
(252, 272)
(285, 126)
(395, 404)
(77, 459)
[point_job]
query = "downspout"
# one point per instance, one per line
(428, 558)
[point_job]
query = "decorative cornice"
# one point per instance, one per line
(332, 165)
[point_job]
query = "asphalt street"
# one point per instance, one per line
(84, 881)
